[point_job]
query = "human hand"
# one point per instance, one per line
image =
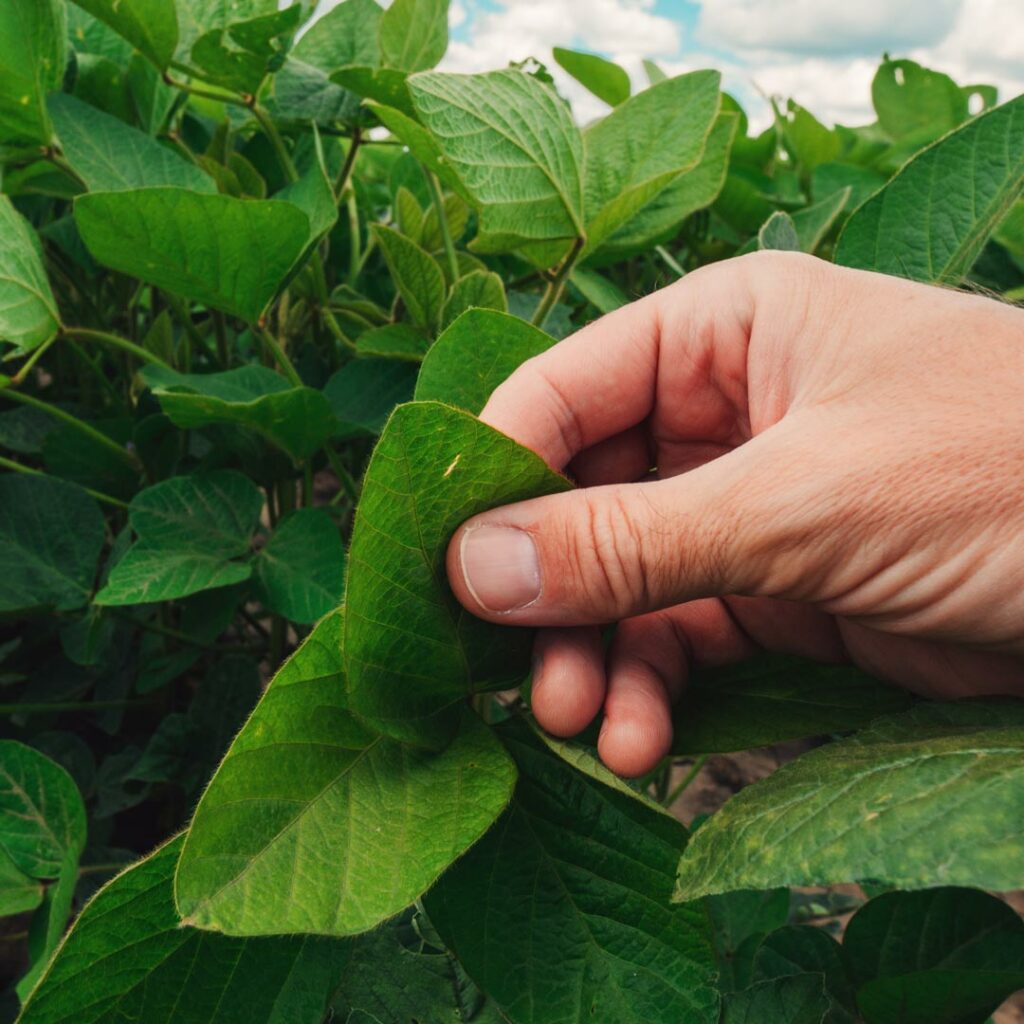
(839, 474)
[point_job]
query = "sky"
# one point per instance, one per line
(821, 53)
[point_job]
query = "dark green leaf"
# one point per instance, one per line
(413, 653)
(478, 290)
(739, 921)
(315, 824)
(606, 80)
(561, 912)
(912, 100)
(394, 341)
(417, 277)
(32, 57)
(474, 355)
(932, 219)
(51, 535)
(301, 569)
(364, 392)
(18, 892)
(799, 999)
(149, 25)
(231, 253)
(414, 34)
(927, 797)
(50, 920)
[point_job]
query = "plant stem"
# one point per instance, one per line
(442, 220)
(73, 421)
(88, 334)
(686, 780)
(184, 317)
(307, 484)
(324, 302)
(206, 94)
(346, 169)
(171, 634)
(17, 467)
(277, 143)
(670, 261)
(280, 356)
(221, 331)
(556, 285)
(348, 484)
(18, 379)
(354, 240)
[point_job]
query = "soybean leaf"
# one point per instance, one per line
(166, 972)
(394, 341)
(605, 79)
(891, 803)
(412, 651)
(409, 215)
(383, 85)
(18, 892)
(583, 871)
(480, 289)
(51, 536)
(932, 219)
(739, 922)
(814, 222)
(301, 568)
(296, 419)
(798, 999)
(313, 823)
(514, 147)
(828, 179)
(110, 156)
(417, 277)
(779, 232)
(151, 26)
(806, 138)
(624, 171)
(49, 921)
(364, 393)
(231, 253)
(942, 956)
(773, 698)
(474, 355)
(598, 290)
(346, 34)
(913, 100)
(305, 93)
(414, 34)
(32, 58)
(189, 529)
(28, 310)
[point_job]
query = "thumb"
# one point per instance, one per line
(602, 554)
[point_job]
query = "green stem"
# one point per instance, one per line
(221, 332)
(280, 356)
(277, 143)
(73, 421)
(354, 240)
(346, 169)
(171, 634)
(19, 378)
(307, 484)
(323, 300)
(556, 286)
(100, 869)
(60, 163)
(206, 94)
(104, 338)
(686, 780)
(446, 235)
(348, 484)
(184, 317)
(670, 261)
(17, 467)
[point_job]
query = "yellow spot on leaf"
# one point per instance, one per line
(455, 462)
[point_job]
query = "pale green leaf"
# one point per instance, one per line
(474, 355)
(598, 290)
(313, 823)
(479, 290)
(605, 79)
(147, 575)
(51, 536)
(414, 34)
(110, 156)
(231, 253)
(417, 277)
(151, 26)
(413, 653)
(779, 232)
(513, 145)
(28, 310)
(128, 958)
(561, 912)
(409, 215)
(932, 219)
(301, 568)
(456, 217)
(933, 796)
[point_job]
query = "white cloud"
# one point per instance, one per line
(826, 26)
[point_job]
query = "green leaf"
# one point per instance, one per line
(315, 824)
(394, 341)
(928, 797)
(773, 698)
(384, 85)
(798, 999)
(409, 215)
(739, 922)
(151, 26)
(474, 355)
(414, 34)
(480, 289)
(303, 92)
(932, 219)
(232, 254)
(128, 957)
(301, 569)
(412, 651)
(51, 536)
(50, 920)
(561, 912)
(18, 892)
(32, 58)
(189, 528)
(28, 310)
(297, 420)
(110, 156)
(944, 956)
(863, 182)
(912, 100)
(779, 232)
(807, 139)
(605, 79)
(598, 290)
(346, 34)
(456, 216)
(814, 222)
(417, 277)
(523, 173)
(624, 171)
(364, 393)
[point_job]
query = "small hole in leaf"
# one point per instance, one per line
(901, 79)
(975, 103)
